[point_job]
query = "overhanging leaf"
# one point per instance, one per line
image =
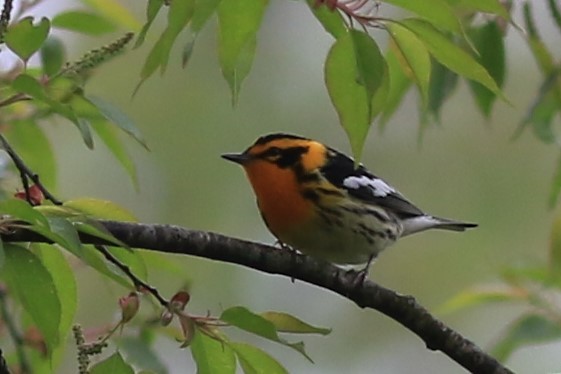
(438, 12)
(239, 21)
(285, 322)
(413, 56)
(152, 9)
(254, 360)
(451, 55)
(114, 364)
(354, 73)
(331, 21)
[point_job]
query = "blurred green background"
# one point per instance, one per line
(467, 168)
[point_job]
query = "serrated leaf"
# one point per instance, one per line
(438, 12)
(21, 210)
(116, 13)
(83, 22)
(285, 322)
(413, 56)
(119, 118)
(34, 147)
(256, 361)
(239, 21)
(152, 9)
(451, 55)
(65, 284)
(331, 21)
(246, 320)
(102, 209)
(354, 72)
(24, 38)
(212, 356)
(203, 11)
(480, 296)
(530, 329)
(52, 55)
(488, 40)
(399, 85)
(114, 364)
(179, 14)
(33, 285)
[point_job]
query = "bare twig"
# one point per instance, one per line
(24, 365)
(139, 284)
(14, 99)
(26, 173)
(5, 18)
(401, 308)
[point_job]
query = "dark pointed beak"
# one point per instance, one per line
(238, 158)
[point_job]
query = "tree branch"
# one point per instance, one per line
(401, 308)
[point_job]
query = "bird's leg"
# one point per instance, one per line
(293, 254)
(361, 275)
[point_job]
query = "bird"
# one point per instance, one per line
(322, 203)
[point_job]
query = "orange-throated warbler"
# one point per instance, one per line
(315, 199)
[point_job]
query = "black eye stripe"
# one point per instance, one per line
(283, 157)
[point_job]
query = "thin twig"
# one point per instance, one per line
(5, 18)
(14, 99)
(139, 284)
(25, 173)
(25, 367)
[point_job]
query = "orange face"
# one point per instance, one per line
(279, 195)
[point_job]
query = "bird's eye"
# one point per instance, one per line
(274, 152)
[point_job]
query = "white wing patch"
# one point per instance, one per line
(379, 187)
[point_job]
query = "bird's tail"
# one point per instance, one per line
(426, 222)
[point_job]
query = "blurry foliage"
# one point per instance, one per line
(440, 43)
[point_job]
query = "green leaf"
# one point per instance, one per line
(96, 261)
(21, 210)
(33, 285)
(33, 146)
(65, 285)
(119, 118)
(255, 361)
(488, 40)
(542, 55)
(30, 86)
(413, 56)
(285, 322)
(83, 22)
(442, 84)
(399, 85)
(474, 297)
(555, 12)
(212, 356)
(116, 13)
(52, 55)
(331, 20)
(152, 9)
(438, 12)
(486, 6)
(103, 209)
(24, 38)
(354, 72)
(239, 22)
(98, 231)
(114, 364)
(530, 329)
(203, 11)
(451, 55)
(179, 14)
(248, 321)
(64, 234)
(108, 134)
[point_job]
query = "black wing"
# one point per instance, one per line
(365, 186)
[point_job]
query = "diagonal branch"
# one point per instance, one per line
(403, 309)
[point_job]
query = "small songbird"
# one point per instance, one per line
(316, 200)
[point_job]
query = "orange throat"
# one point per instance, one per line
(279, 197)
